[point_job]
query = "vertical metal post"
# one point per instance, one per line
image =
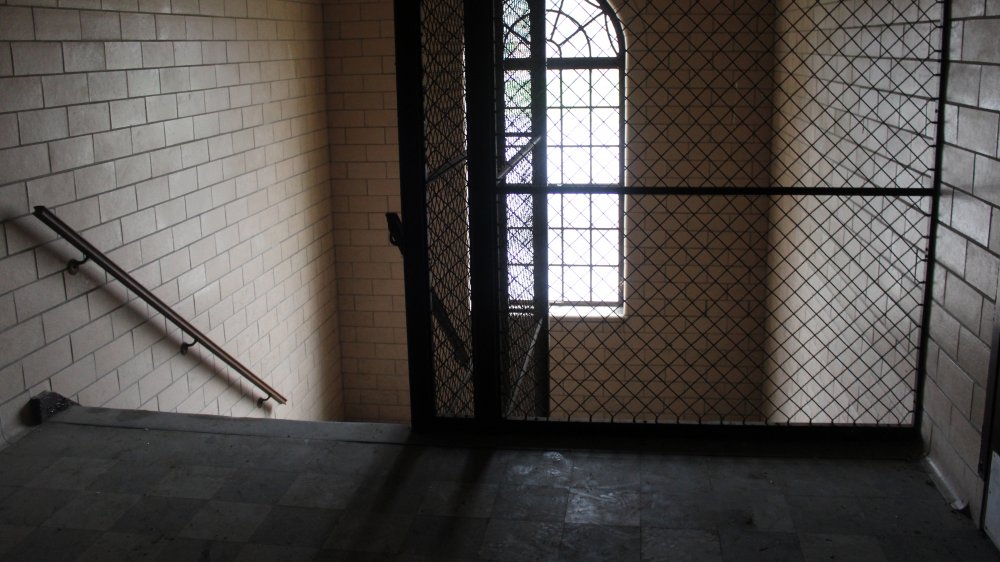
(413, 195)
(483, 204)
(925, 321)
(505, 381)
(540, 212)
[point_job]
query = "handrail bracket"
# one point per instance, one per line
(73, 266)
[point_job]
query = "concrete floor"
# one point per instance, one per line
(106, 485)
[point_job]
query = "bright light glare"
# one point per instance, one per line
(583, 149)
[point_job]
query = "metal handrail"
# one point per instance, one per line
(91, 253)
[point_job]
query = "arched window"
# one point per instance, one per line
(581, 110)
(584, 151)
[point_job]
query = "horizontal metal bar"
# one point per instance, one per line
(80, 243)
(574, 63)
(522, 153)
(747, 191)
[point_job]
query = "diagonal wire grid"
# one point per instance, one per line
(764, 309)
(447, 206)
(754, 309)
(519, 319)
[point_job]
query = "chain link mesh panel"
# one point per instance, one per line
(521, 322)
(753, 309)
(768, 206)
(856, 88)
(447, 187)
(778, 307)
(523, 384)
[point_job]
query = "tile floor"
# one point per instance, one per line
(107, 485)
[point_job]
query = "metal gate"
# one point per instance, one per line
(669, 211)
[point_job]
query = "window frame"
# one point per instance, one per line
(523, 58)
(554, 67)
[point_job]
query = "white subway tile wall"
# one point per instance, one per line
(968, 252)
(364, 171)
(189, 140)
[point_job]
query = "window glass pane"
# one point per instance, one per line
(583, 136)
(606, 165)
(519, 246)
(554, 130)
(575, 88)
(555, 246)
(555, 211)
(576, 127)
(576, 283)
(517, 29)
(605, 247)
(556, 293)
(521, 173)
(576, 210)
(517, 88)
(519, 210)
(577, 248)
(576, 165)
(605, 284)
(605, 125)
(604, 85)
(553, 79)
(520, 283)
(579, 28)
(576, 45)
(517, 120)
(554, 165)
(605, 211)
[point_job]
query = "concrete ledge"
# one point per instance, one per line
(258, 427)
(626, 438)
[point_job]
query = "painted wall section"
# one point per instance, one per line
(188, 140)
(968, 251)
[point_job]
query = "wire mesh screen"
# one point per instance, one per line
(447, 192)
(753, 309)
(764, 273)
(727, 204)
(522, 372)
(521, 322)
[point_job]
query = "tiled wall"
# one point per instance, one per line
(698, 85)
(846, 279)
(689, 344)
(188, 140)
(968, 250)
(699, 89)
(364, 170)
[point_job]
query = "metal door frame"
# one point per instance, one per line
(481, 123)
